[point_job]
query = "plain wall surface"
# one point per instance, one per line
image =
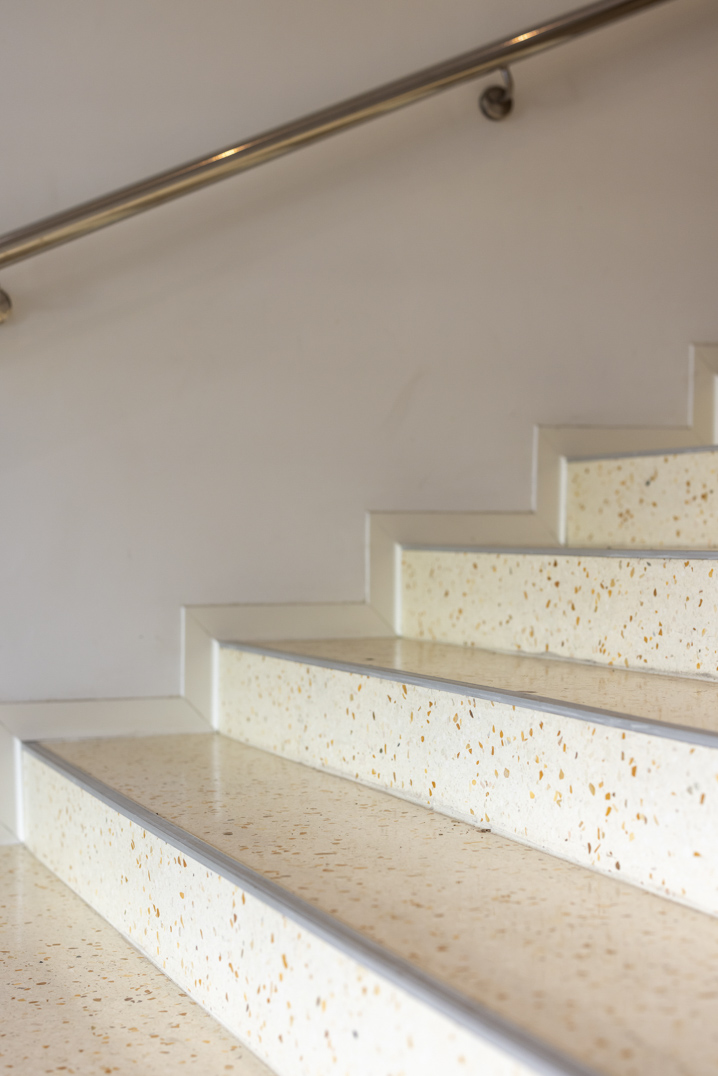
(200, 405)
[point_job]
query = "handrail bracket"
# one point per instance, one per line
(496, 102)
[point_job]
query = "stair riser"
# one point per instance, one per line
(300, 1004)
(649, 614)
(666, 501)
(76, 998)
(635, 806)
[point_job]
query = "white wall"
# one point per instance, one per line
(199, 405)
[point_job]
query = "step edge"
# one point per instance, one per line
(686, 450)
(479, 1020)
(637, 553)
(577, 711)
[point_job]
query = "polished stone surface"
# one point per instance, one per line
(668, 501)
(673, 700)
(647, 612)
(305, 1006)
(619, 978)
(75, 997)
(607, 793)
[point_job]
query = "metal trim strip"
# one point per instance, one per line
(690, 450)
(568, 551)
(474, 1017)
(577, 711)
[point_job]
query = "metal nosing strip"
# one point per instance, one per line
(579, 712)
(565, 551)
(523, 1046)
(684, 450)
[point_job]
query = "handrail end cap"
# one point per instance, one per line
(5, 306)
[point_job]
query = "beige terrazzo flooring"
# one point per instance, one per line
(75, 997)
(646, 612)
(623, 797)
(306, 1007)
(619, 978)
(668, 500)
(671, 699)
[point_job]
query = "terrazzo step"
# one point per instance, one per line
(614, 770)
(653, 610)
(75, 997)
(337, 928)
(657, 499)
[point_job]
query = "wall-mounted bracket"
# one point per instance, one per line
(497, 101)
(5, 306)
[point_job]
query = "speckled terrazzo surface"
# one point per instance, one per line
(303, 1004)
(671, 699)
(621, 979)
(604, 795)
(75, 997)
(636, 612)
(650, 501)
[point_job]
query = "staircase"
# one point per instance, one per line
(483, 846)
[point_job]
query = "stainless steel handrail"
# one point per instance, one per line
(125, 202)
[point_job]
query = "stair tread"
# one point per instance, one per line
(75, 994)
(670, 700)
(619, 979)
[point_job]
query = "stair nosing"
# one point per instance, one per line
(636, 553)
(684, 450)
(578, 711)
(476, 1018)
